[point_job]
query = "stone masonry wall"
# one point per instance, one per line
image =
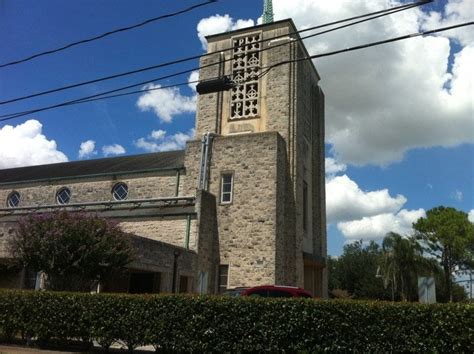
(159, 257)
(279, 89)
(309, 99)
(93, 190)
(6, 230)
(208, 247)
(164, 228)
(207, 104)
(286, 101)
(260, 234)
(310, 161)
(285, 204)
(247, 226)
(321, 195)
(143, 186)
(274, 95)
(167, 229)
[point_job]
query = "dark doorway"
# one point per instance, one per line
(141, 283)
(29, 280)
(183, 284)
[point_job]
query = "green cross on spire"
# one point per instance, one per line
(267, 11)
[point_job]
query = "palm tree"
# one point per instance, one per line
(402, 262)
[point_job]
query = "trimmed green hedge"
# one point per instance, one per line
(220, 324)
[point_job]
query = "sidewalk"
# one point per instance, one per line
(115, 348)
(7, 349)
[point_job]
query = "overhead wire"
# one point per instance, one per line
(106, 34)
(379, 14)
(182, 60)
(373, 44)
(88, 98)
(269, 68)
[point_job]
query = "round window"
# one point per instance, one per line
(63, 196)
(120, 191)
(13, 199)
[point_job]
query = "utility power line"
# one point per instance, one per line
(367, 45)
(106, 34)
(384, 13)
(178, 61)
(373, 44)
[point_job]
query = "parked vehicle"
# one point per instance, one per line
(276, 291)
(234, 292)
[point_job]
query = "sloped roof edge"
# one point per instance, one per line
(105, 166)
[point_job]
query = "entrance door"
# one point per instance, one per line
(141, 283)
(313, 279)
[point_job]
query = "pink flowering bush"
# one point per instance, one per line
(74, 250)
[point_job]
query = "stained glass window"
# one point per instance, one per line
(120, 191)
(63, 196)
(13, 200)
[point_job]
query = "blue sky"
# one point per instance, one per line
(400, 129)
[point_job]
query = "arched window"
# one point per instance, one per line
(120, 191)
(13, 199)
(63, 196)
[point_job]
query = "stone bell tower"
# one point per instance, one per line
(269, 135)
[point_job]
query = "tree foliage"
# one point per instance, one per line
(402, 263)
(448, 235)
(355, 271)
(361, 271)
(74, 250)
(442, 295)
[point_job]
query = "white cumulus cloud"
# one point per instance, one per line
(193, 77)
(333, 167)
(366, 215)
(218, 24)
(87, 149)
(346, 201)
(24, 145)
(166, 103)
(457, 195)
(158, 134)
(470, 215)
(386, 100)
(456, 11)
(114, 149)
(383, 101)
(158, 140)
(377, 226)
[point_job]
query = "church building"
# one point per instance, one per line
(242, 205)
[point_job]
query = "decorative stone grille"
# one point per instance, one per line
(245, 71)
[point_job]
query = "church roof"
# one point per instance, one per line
(170, 160)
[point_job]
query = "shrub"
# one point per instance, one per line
(220, 324)
(74, 249)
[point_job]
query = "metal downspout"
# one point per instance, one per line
(206, 156)
(201, 164)
(176, 192)
(188, 231)
(176, 254)
(206, 143)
